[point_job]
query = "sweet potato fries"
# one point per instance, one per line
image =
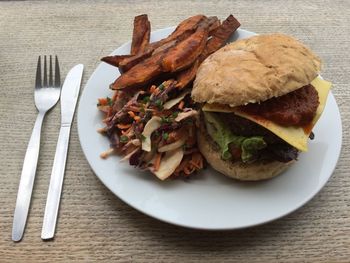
(151, 119)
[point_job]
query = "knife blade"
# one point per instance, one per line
(69, 98)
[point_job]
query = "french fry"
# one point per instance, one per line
(165, 47)
(131, 61)
(176, 55)
(140, 74)
(214, 23)
(219, 38)
(221, 35)
(138, 71)
(182, 31)
(115, 60)
(185, 53)
(186, 76)
(141, 34)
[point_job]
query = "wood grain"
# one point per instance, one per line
(93, 224)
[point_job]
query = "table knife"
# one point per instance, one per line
(69, 97)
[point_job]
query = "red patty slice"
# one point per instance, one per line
(296, 108)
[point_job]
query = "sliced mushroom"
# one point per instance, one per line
(171, 103)
(153, 124)
(135, 142)
(172, 146)
(127, 157)
(169, 163)
(187, 114)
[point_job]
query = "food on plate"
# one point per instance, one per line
(115, 60)
(182, 31)
(186, 40)
(141, 34)
(218, 38)
(151, 119)
(260, 97)
(187, 51)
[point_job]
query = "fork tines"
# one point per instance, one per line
(38, 81)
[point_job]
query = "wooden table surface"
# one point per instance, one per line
(94, 225)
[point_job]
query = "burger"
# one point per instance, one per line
(260, 98)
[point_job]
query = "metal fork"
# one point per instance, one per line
(46, 95)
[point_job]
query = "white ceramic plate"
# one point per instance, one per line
(209, 200)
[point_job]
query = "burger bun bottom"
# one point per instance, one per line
(237, 170)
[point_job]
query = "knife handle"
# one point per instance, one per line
(56, 182)
(27, 180)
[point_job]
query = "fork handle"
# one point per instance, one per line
(56, 182)
(27, 180)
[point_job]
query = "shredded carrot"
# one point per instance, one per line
(137, 118)
(157, 162)
(196, 164)
(126, 131)
(104, 108)
(172, 136)
(105, 154)
(197, 161)
(190, 164)
(132, 114)
(156, 91)
(182, 166)
(103, 101)
(188, 170)
(153, 88)
(181, 105)
(123, 126)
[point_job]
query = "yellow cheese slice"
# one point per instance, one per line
(295, 136)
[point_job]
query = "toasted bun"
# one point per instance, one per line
(237, 170)
(254, 70)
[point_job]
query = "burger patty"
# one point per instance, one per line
(296, 108)
(247, 128)
(276, 150)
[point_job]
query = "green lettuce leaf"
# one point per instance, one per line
(223, 136)
(250, 146)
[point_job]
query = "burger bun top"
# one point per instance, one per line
(254, 70)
